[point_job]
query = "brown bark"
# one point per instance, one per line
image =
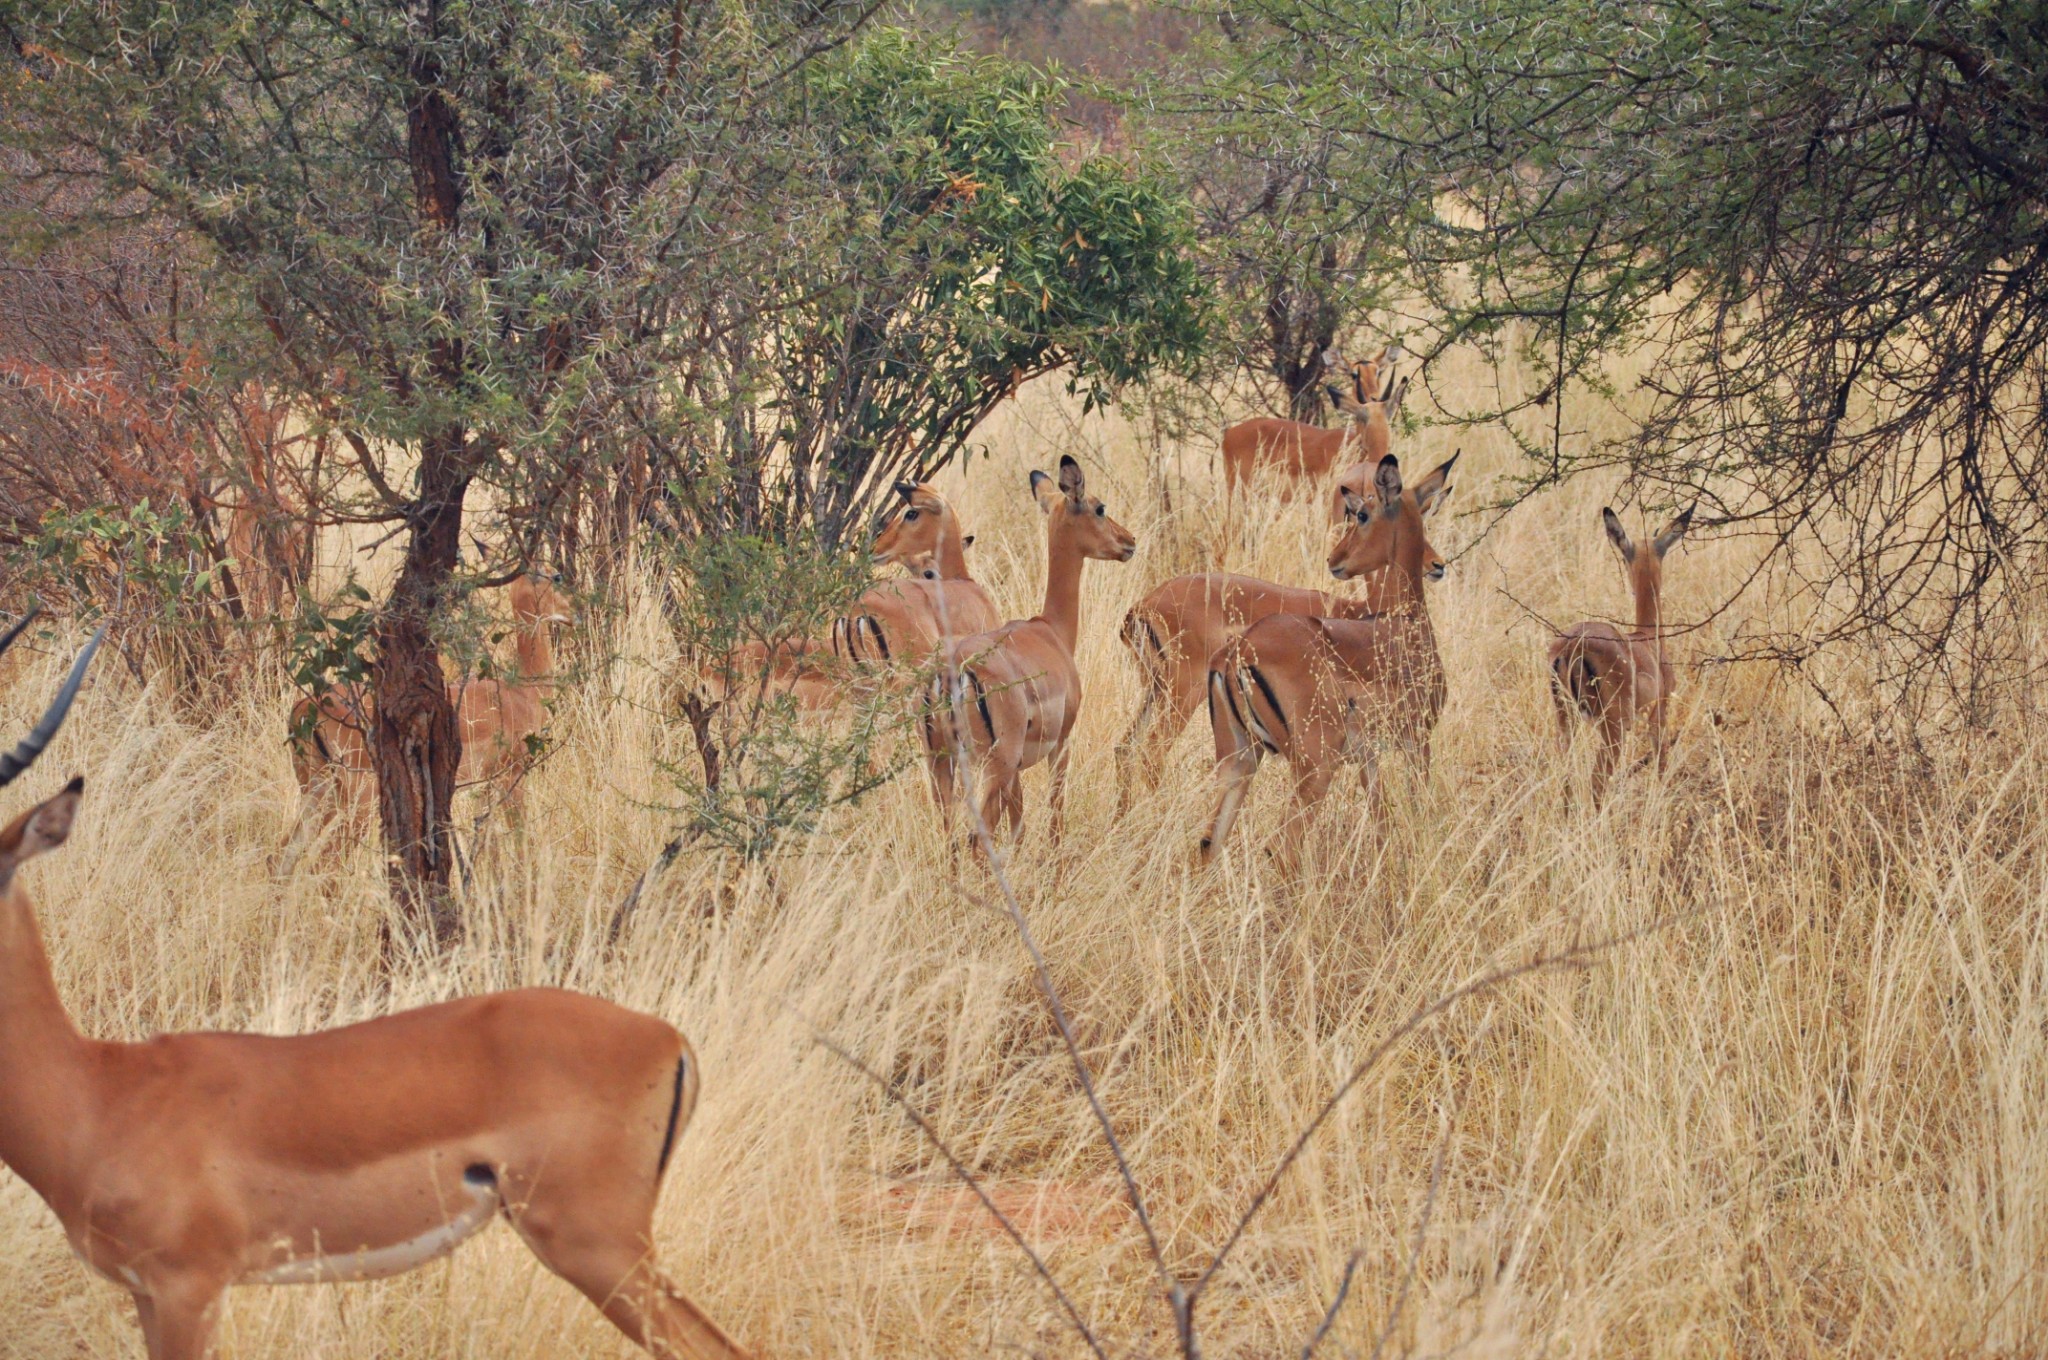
(415, 744)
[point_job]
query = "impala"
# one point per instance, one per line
(1173, 632)
(496, 716)
(904, 620)
(1609, 676)
(1373, 417)
(1005, 700)
(1301, 452)
(193, 1162)
(1320, 692)
(914, 617)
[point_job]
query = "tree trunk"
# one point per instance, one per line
(415, 744)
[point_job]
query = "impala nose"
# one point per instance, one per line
(1435, 572)
(1340, 571)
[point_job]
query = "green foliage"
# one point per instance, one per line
(765, 769)
(949, 254)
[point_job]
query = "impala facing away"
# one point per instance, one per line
(1173, 632)
(1301, 452)
(1610, 676)
(1005, 700)
(1320, 692)
(331, 746)
(193, 1162)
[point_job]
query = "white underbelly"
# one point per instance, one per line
(370, 1263)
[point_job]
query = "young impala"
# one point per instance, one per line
(193, 1162)
(1609, 676)
(331, 747)
(1300, 452)
(1173, 632)
(1005, 700)
(1320, 692)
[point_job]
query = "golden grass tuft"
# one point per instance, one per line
(1809, 1117)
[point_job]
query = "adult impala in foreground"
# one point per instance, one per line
(1005, 700)
(193, 1162)
(1609, 676)
(1321, 692)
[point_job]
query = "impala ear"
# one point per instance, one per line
(1071, 480)
(967, 540)
(1433, 490)
(1387, 480)
(1042, 488)
(43, 827)
(1396, 395)
(1618, 534)
(906, 490)
(1355, 506)
(1674, 531)
(1336, 397)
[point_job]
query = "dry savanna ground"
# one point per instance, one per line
(1804, 1116)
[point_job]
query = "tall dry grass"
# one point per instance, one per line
(1807, 1117)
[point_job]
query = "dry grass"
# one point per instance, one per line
(1809, 1117)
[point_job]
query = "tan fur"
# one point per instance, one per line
(1007, 699)
(898, 622)
(1611, 677)
(1300, 453)
(193, 1162)
(1320, 692)
(1173, 632)
(495, 716)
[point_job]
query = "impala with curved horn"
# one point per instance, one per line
(1611, 677)
(1174, 630)
(1006, 700)
(1320, 692)
(193, 1162)
(1300, 452)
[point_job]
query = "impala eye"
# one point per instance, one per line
(909, 515)
(1100, 510)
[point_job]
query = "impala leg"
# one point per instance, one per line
(1234, 780)
(1056, 799)
(1657, 735)
(1613, 732)
(177, 1319)
(1131, 749)
(1312, 778)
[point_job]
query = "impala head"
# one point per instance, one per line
(1080, 518)
(1366, 401)
(44, 826)
(1646, 569)
(914, 532)
(540, 597)
(1385, 528)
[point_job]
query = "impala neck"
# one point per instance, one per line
(535, 652)
(44, 1065)
(1649, 590)
(1063, 585)
(951, 557)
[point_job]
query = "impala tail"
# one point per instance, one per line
(1577, 680)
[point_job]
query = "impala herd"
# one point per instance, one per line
(193, 1162)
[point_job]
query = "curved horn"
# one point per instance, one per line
(23, 622)
(24, 755)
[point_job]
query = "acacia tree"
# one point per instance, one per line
(434, 219)
(951, 254)
(1827, 214)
